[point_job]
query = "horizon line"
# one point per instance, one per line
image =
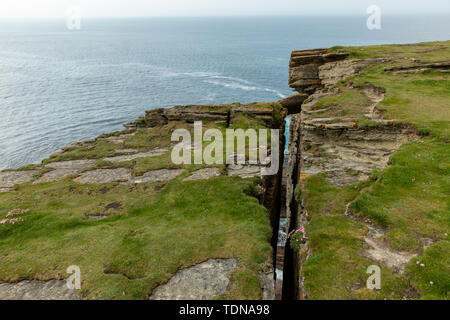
(222, 16)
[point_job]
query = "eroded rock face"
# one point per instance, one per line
(72, 164)
(348, 154)
(304, 68)
(191, 113)
(203, 281)
(337, 146)
(421, 67)
(333, 72)
(346, 151)
(118, 139)
(294, 103)
(37, 290)
(55, 175)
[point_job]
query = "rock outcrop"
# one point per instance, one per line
(345, 150)
(116, 166)
(422, 67)
(214, 112)
(204, 281)
(304, 68)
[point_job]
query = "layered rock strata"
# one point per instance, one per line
(343, 150)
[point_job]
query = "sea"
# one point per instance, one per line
(59, 85)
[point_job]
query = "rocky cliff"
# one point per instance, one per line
(365, 182)
(340, 135)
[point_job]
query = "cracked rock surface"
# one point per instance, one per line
(105, 175)
(10, 178)
(203, 281)
(157, 175)
(37, 290)
(152, 153)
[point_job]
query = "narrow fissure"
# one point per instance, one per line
(285, 275)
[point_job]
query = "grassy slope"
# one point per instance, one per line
(410, 198)
(153, 229)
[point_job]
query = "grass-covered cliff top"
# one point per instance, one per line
(127, 230)
(421, 98)
(409, 202)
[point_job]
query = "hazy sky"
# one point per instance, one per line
(129, 8)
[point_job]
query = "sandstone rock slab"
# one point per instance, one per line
(72, 164)
(37, 290)
(128, 157)
(204, 174)
(244, 171)
(104, 176)
(10, 178)
(203, 281)
(157, 175)
(55, 175)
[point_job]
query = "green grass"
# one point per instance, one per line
(152, 230)
(143, 243)
(336, 269)
(410, 197)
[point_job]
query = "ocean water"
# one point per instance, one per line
(58, 86)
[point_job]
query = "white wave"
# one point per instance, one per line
(197, 74)
(231, 78)
(236, 85)
(232, 85)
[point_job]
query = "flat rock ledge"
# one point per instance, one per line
(37, 290)
(10, 178)
(104, 176)
(129, 157)
(158, 175)
(123, 175)
(64, 169)
(118, 139)
(381, 253)
(203, 281)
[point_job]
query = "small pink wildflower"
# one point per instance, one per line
(431, 282)
(11, 221)
(17, 212)
(418, 262)
(302, 231)
(422, 265)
